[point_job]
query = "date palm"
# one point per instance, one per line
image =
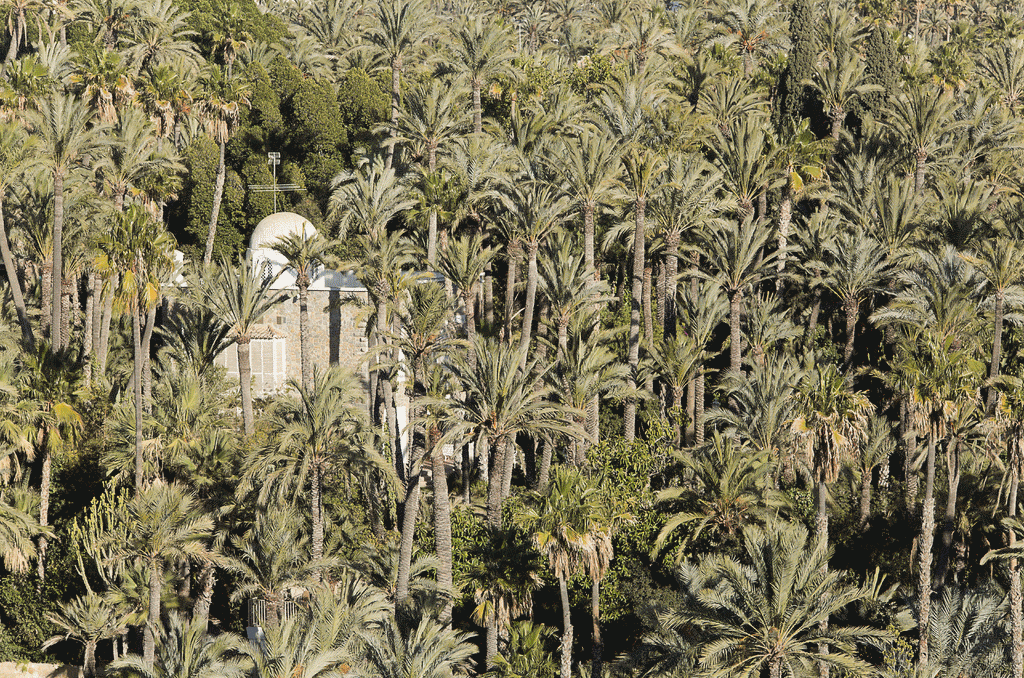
(68, 140)
(754, 28)
(855, 269)
(221, 110)
(87, 619)
(16, 153)
(185, 650)
(398, 27)
(428, 650)
(701, 310)
(921, 119)
(498, 402)
(767, 615)
(840, 85)
(240, 296)
(735, 255)
(167, 528)
(310, 434)
(463, 262)
(747, 163)
(304, 253)
(482, 51)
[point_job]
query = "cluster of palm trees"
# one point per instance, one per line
(797, 313)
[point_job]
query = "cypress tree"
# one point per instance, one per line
(881, 67)
(802, 55)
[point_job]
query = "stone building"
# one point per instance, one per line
(336, 310)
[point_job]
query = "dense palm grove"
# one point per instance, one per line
(707, 314)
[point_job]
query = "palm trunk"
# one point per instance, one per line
(57, 266)
(661, 286)
(531, 300)
(153, 623)
(595, 613)
(46, 301)
(785, 220)
(735, 335)
(648, 313)
(489, 295)
(565, 667)
(396, 70)
(812, 321)
(496, 482)
(865, 497)
(492, 639)
(442, 526)
(245, 380)
(316, 506)
(305, 353)
(922, 157)
(89, 661)
(137, 388)
(15, 284)
(924, 581)
(1016, 623)
(478, 109)
(218, 195)
(510, 289)
(948, 520)
(544, 472)
(838, 116)
(44, 517)
(207, 580)
(147, 367)
(671, 272)
(409, 515)
(851, 308)
(698, 431)
(821, 517)
(106, 317)
(589, 268)
(89, 331)
(997, 345)
(636, 309)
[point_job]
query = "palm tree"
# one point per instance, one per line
(747, 162)
(534, 212)
(565, 525)
(16, 152)
(221, 107)
(754, 28)
(269, 557)
(309, 433)
(921, 119)
(589, 165)
(87, 619)
(134, 253)
(801, 156)
(675, 361)
(426, 651)
(1001, 264)
(303, 253)
(498, 402)
(832, 423)
(398, 27)
(68, 139)
(240, 297)
(730, 491)
(482, 51)
(856, 268)
(185, 650)
(736, 258)
(167, 528)
(463, 262)
(49, 390)
(701, 311)
(503, 576)
(840, 85)
(768, 615)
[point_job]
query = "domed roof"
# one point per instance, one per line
(278, 225)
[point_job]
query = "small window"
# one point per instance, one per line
(281, 320)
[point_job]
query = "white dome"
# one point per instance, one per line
(277, 225)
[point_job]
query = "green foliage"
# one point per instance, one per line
(802, 56)
(881, 67)
(592, 71)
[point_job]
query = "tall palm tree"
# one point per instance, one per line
(832, 423)
(736, 258)
(221, 108)
(1001, 264)
(840, 85)
(167, 528)
(426, 651)
(921, 119)
(768, 615)
(134, 253)
(754, 28)
(16, 153)
(482, 51)
(565, 525)
(68, 140)
(240, 296)
(747, 162)
(49, 391)
(309, 433)
(700, 314)
(303, 253)
(856, 268)
(398, 28)
(463, 262)
(801, 157)
(498, 402)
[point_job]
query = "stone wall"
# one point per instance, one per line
(28, 670)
